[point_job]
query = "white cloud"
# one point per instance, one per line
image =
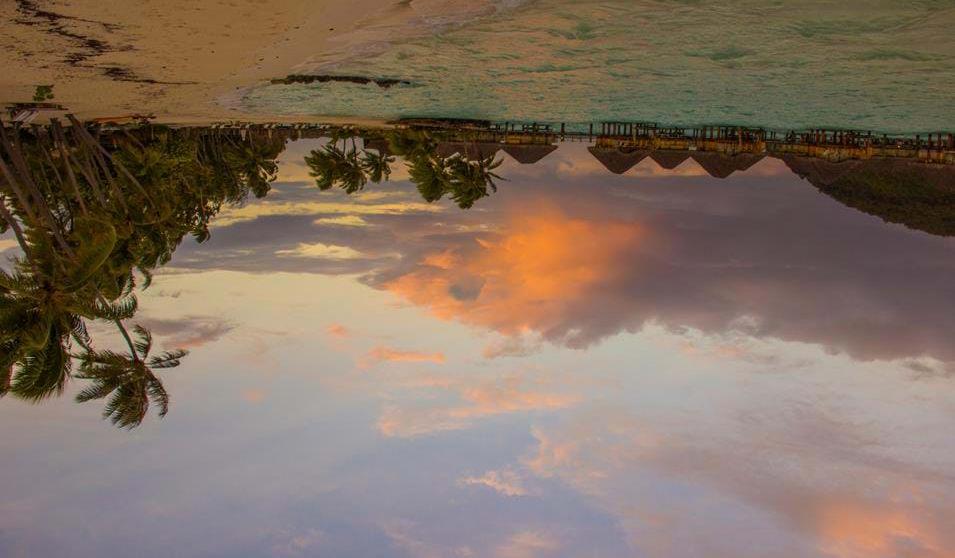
(343, 221)
(505, 482)
(322, 251)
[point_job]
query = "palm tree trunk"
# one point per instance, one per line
(101, 151)
(71, 160)
(19, 163)
(129, 340)
(17, 231)
(18, 192)
(59, 140)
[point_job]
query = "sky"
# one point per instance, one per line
(657, 364)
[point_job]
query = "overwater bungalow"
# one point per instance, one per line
(380, 145)
(470, 150)
(528, 154)
(617, 161)
(719, 165)
(669, 159)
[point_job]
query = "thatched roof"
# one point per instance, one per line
(617, 161)
(528, 154)
(719, 165)
(378, 144)
(819, 172)
(471, 150)
(669, 159)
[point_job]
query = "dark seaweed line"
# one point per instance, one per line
(384, 83)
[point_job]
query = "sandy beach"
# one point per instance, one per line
(175, 59)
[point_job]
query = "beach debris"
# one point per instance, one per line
(384, 83)
(25, 113)
(136, 118)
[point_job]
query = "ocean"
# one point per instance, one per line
(879, 65)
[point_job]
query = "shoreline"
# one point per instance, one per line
(190, 63)
(181, 61)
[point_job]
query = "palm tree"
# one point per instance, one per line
(127, 379)
(431, 175)
(377, 166)
(87, 219)
(333, 166)
(325, 165)
(472, 179)
(255, 162)
(39, 322)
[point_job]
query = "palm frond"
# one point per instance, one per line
(144, 342)
(122, 309)
(42, 374)
(168, 359)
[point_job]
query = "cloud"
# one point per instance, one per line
(513, 346)
(321, 251)
(526, 278)
(251, 212)
(253, 395)
(577, 259)
(298, 545)
(925, 368)
(390, 354)
(403, 534)
(338, 331)
(189, 332)
(802, 483)
(475, 400)
(505, 482)
(343, 221)
(588, 263)
(528, 544)
(852, 529)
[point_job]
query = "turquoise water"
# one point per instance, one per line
(882, 65)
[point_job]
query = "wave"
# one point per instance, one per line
(405, 20)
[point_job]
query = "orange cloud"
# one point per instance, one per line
(253, 395)
(388, 354)
(510, 395)
(442, 260)
(528, 278)
(857, 513)
(853, 530)
(338, 330)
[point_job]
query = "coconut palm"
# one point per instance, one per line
(334, 166)
(127, 379)
(472, 179)
(40, 321)
(431, 175)
(377, 165)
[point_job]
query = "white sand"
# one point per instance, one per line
(200, 49)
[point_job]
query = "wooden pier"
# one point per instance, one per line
(664, 141)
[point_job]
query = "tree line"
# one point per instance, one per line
(95, 213)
